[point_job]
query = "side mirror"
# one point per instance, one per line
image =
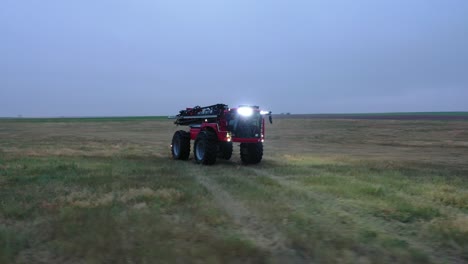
(270, 118)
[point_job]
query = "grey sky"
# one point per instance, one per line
(109, 57)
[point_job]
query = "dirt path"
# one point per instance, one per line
(251, 226)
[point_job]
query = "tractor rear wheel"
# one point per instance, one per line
(205, 148)
(225, 150)
(251, 153)
(180, 147)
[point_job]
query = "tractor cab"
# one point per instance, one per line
(245, 122)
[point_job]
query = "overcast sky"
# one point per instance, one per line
(110, 57)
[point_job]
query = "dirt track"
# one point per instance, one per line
(376, 116)
(262, 234)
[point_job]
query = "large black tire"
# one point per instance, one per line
(205, 148)
(251, 153)
(180, 147)
(225, 150)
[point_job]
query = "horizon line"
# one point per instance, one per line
(281, 113)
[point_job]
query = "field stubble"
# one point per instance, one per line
(348, 191)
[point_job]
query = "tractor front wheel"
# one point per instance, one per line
(205, 148)
(251, 153)
(180, 147)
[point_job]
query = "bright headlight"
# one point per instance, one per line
(245, 111)
(264, 112)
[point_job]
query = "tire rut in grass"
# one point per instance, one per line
(257, 231)
(289, 183)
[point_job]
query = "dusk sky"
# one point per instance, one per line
(109, 57)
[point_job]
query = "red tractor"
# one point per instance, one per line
(214, 128)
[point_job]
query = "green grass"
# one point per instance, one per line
(459, 113)
(327, 191)
(415, 113)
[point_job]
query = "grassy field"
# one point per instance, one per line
(328, 191)
(408, 113)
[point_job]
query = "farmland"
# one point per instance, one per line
(327, 191)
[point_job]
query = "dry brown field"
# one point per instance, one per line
(327, 191)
